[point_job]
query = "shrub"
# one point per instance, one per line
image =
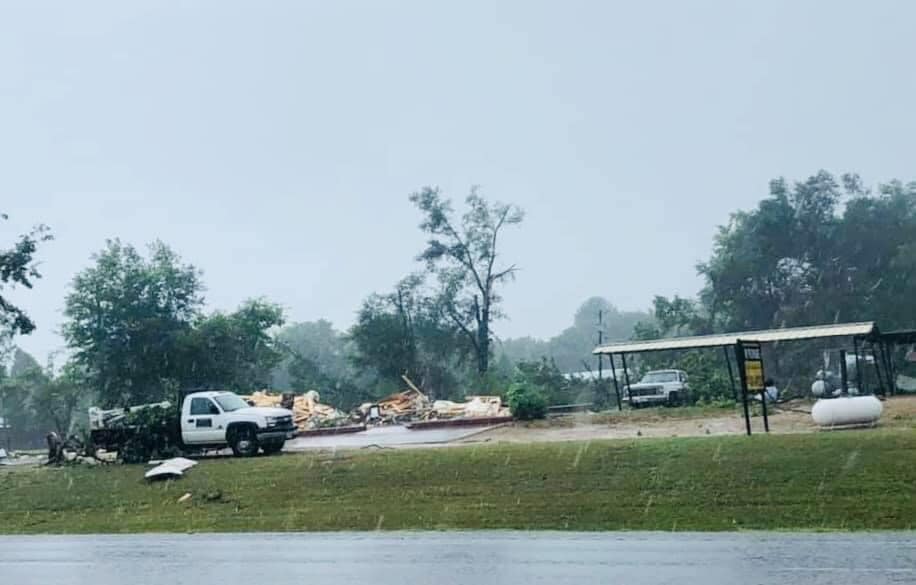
(526, 401)
(153, 433)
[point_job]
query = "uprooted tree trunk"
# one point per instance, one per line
(55, 449)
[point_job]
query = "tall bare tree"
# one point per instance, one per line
(462, 253)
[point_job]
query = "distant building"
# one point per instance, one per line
(592, 375)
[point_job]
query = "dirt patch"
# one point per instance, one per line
(789, 418)
(899, 411)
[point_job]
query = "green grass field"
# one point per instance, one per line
(852, 480)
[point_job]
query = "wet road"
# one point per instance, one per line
(393, 436)
(510, 558)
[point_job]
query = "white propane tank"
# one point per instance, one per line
(856, 410)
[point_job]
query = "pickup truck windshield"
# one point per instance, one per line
(659, 377)
(230, 402)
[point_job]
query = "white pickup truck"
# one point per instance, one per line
(209, 420)
(668, 387)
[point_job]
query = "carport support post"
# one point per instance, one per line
(887, 352)
(855, 347)
(892, 367)
(739, 359)
(616, 384)
(878, 368)
(844, 379)
(626, 376)
(731, 373)
(886, 366)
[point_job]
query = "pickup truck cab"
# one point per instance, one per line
(659, 387)
(217, 419)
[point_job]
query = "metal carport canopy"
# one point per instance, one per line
(864, 329)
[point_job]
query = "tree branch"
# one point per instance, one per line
(469, 261)
(504, 273)
(463, 328)
(499, 225)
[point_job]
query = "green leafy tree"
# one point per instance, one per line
(818, 251)
(234, 351)
(572, 348)
(126, 315)
(17, 267)
(16, 390)
(58, 398)
(406, 332)
(463, 254)
(317, 343)
(35, 400)
(708, 371)
(557, 389)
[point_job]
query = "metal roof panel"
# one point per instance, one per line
(718, 340)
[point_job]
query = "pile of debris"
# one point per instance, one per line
(397, 408)
(472, 407)
(412, 405)
(308, 412)
(408, 406)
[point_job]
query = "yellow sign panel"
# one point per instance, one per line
(753, 373)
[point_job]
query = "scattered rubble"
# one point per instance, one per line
(408, 406)
(308, 412)
(400, 407)
(472, 407)
(71, 451)
(413, 406)
(12, 458)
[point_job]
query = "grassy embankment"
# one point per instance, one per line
(832, 481)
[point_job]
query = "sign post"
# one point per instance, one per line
(750, 366)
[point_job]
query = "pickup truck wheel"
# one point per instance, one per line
(674, 399)
(272, 447)
(244, 442)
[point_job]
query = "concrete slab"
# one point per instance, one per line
(393, 436)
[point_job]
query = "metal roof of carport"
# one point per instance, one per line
(864, 329)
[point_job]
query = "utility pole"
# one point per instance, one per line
(600, 341)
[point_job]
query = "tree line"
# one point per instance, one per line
(818, 251)
(822, 250)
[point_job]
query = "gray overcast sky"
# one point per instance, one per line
(273, 144)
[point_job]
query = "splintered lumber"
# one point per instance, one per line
(410, 384)
(263, 398)
(308, 412)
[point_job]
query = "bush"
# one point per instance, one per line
(153, 433)
(546, 376)
(526, 401)
(719, 403)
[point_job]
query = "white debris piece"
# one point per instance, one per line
(170, 468)
(3, 454)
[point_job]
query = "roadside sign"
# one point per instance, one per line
(750, 366)
(753, 368)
